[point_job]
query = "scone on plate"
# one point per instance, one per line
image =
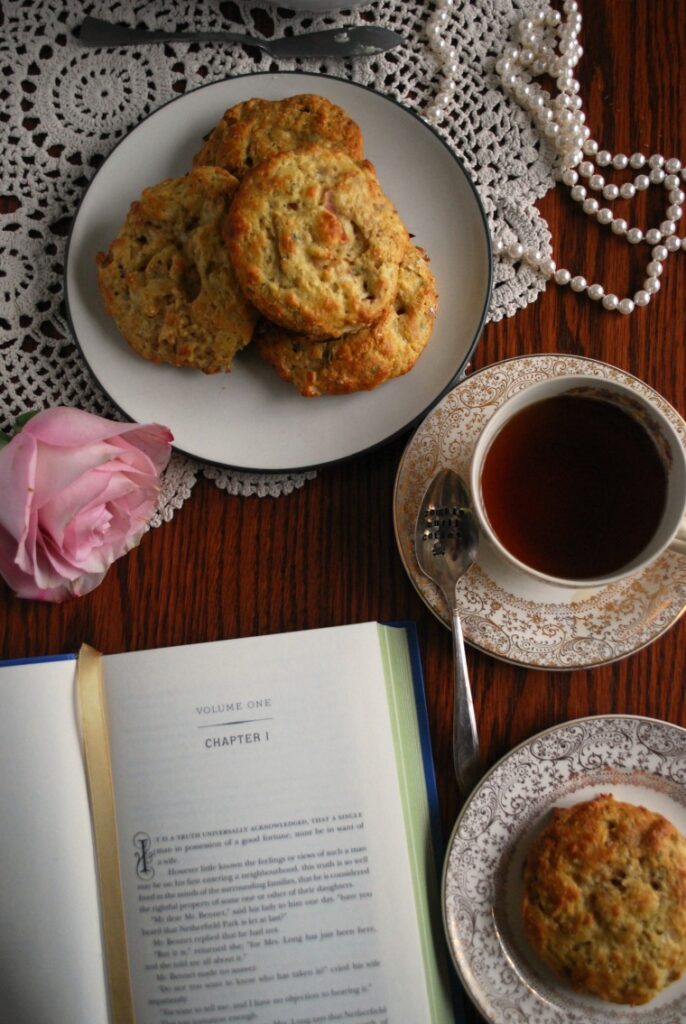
(167, 280)
(362, 359)
(315, 242)
(257, 129)
(605, 899)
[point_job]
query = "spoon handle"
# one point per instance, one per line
(466, 756)
(97, 32)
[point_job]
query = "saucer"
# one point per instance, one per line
(504, 612)
(638, 760)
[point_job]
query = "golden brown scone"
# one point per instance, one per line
(605, 899)
(255, 130)
(167, 280)
(315, 243)
(363, 359)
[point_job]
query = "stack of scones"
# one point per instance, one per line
(280, 235)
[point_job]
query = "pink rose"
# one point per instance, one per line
(76, 493)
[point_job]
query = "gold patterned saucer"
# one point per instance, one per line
(504, 612)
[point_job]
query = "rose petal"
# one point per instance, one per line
(73, 428)
(17, 486)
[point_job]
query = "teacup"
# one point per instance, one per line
(580, 481)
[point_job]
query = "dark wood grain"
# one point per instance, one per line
(228, 566)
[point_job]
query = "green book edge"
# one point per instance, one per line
(407, 731)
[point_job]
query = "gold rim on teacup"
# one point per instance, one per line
(671, 529)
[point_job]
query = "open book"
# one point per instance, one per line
(270, 856)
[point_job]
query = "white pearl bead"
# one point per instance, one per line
(603, 158)
(548, 267)
(596, 181)
(651, 285)
(578, 193)
(653, 236)
(626, 306)
(586, 168)
(578, 283)
(562, 276)
(498, 248)
(667, 227)
(590, 147)
(683, 243)
(682, 172)
(654, 268)
(671, 181)
(515, 250)
(627, 190)
(619, 226)
(672, 243)
(637, 160)
(657, 175)
(656, 160)
(551, 130)
(610, 301)
(620, 161)
(570, 177)
(590, 206)
(595, 292)
(673, 165)
(604, 216)
(610, 191)
(642, 297)
(641, 182)
(659, 253)
(676, 196)
(634, 236)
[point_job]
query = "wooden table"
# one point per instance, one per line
(326, 554)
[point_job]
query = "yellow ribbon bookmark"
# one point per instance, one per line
(92, 712)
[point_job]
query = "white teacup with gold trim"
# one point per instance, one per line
(580, 481)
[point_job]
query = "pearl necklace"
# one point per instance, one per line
(547, 44)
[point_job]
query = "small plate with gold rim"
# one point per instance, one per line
(504, 612)
(638, 760)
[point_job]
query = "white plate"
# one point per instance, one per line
(250, 419)
(505, 612)
(639, 761)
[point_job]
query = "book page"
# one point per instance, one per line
(51, 966)
(263, 850)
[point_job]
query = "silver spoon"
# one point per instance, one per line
(346, 41)
(446, 541)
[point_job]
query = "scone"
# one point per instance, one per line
(315, 243)
(605, 899)
(365, 358)
(167, 280)
(255, 130)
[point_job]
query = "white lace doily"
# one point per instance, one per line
(64, 107)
